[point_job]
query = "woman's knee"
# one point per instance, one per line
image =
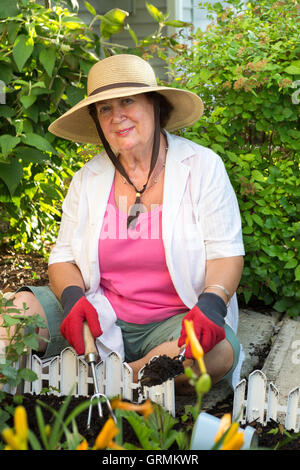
(27, 304)
(219, 360)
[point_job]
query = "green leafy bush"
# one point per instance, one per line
(21, 336)
(245, 66)
(45, 55)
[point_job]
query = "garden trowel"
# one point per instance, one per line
(91, 356)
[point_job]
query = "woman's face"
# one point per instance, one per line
(127, 123)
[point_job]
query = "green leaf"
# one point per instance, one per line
(75, 94)
(10, 373)
(6, 73)
(155, 13)
(22, 50)
(297, 273)
(8, 8)
(258, 176)
(27, 101)
(90, 8)
(176, 23)
(27, 374)
(7, 143)
(30, 154)
(112, 22)
(280, 305)
(38, 142)
(293, 70)
(47, 58)
(10, 320)
(11, 174)
(292, 263)
(6, 111)
(31, 341)
(258, 220)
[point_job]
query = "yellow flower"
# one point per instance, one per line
(234, 438)
(235, 443)
(225, 423)
(83, 445)
(196, 347)
(17, 439)
(106, 435)
(146, 408)
(21, 424)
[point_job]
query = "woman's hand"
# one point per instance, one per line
(208, 320)
(77, 310)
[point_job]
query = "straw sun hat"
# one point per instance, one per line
(117, 76)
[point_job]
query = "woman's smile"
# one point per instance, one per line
(124, 132)
(127, 123)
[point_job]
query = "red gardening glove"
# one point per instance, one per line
(208, 319)
(77, 310)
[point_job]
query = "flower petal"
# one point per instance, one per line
(225, 422)
(106, 435)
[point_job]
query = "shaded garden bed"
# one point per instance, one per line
(269, 436)
(18, 269)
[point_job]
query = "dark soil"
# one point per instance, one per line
(271, 436)
(160, 369)
(31, 401)
(18, 269)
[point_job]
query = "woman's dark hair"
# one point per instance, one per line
(165, 107)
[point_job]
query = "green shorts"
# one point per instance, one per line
(141, 339)
(54, 315)
(138, 339)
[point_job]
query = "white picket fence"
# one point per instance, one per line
(262, 402)
(69, 372)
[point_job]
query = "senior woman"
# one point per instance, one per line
(150, 232)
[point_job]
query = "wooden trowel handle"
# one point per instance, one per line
(89, 342)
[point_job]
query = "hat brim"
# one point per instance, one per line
(77, 125)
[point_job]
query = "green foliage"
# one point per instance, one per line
(157, 432)
(45, 56)
(245, 66)
(22, 336)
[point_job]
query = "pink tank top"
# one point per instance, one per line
(134, 274)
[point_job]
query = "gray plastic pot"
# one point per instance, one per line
(206, 428)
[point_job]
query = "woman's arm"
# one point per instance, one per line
(62, 275)
(224, 272)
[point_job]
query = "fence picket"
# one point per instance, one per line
(169, 397)
(256, 397)
(37, 367)
(68, 369)
(27, 385)
(127, 391)
(82, 377)
(115, 378)
(113, 374)
(239, 401)
(54, 374)
(292, 408)
(273, 401)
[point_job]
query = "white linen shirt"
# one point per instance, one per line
(200, 221)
